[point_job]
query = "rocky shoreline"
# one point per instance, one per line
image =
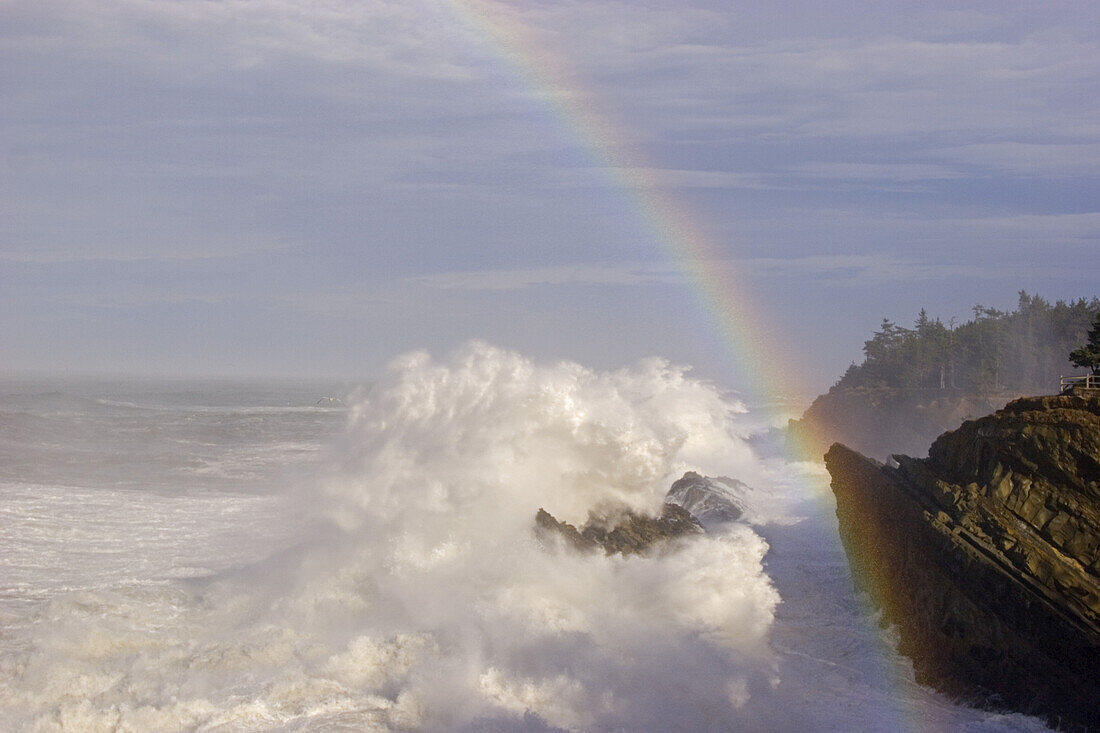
(986, 555)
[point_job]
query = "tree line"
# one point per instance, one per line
(1023, 350)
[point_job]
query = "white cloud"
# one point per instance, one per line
(191, 39)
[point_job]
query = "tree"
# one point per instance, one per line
(1088, 356)
(1022, 350)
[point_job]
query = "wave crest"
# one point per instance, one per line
(429, 603)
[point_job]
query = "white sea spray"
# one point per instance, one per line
(184, 558)
(425, 600)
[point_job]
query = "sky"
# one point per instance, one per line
(283, 188)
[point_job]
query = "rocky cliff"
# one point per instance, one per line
(986, 555)
(880, 421)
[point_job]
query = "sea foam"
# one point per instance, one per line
(418, 596)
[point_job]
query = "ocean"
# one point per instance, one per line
(311, 556)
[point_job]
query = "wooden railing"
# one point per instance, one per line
(1089, 381)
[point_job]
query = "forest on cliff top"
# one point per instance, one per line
(1024, 350)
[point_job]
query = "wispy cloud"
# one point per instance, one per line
(898, 172)
(1028, 158)
(161, 251)
(857, 270)
(1051, 229)
(344, 158)
(580, 274)
(191, 40)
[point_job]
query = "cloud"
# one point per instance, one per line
(1032, 78)
(161, 251)
(1060, 228)
(307, 150)
(858, 270)
(1027, 158)
(886, 172)
(630, 274)
(191, 40)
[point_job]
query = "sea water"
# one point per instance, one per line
(218, 556)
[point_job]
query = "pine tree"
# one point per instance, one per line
(1023, 350)
(1088, 356)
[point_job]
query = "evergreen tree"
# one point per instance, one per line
(1021, 351)
(1088, 356)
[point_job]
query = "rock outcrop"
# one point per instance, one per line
(986, 555)
(693, 504)
(712, 501)
(628, 534)
(881, 421)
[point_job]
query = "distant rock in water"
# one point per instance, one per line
(986, 555)
(711, 501)
(628, 534)
(878, 421)
(692, 504)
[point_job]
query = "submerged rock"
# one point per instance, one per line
(986, 555)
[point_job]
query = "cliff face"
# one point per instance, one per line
(986, 555)
(881, 421)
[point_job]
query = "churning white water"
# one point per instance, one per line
(241, 558)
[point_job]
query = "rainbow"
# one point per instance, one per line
(743, 331)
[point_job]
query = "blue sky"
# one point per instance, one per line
(270, 187)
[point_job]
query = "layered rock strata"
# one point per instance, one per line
(986, 555)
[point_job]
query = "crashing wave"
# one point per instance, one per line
(423, 600)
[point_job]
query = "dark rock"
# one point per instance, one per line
(986, 555)
(693, 504)
(546, 526)
(627, 534)
(636, 534)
